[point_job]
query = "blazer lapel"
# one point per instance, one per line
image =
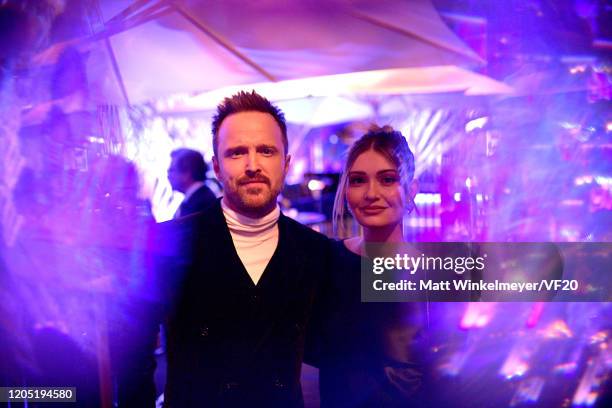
(287, 262)
(219, 249)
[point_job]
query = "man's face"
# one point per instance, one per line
(179, 180)
(250, 162)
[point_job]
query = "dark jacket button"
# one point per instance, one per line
(279, 384)
(229, 386)
(204, 331)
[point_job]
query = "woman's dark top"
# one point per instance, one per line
(367, 352)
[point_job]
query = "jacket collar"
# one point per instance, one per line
(288, 254)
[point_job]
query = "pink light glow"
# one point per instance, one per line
(477, 315)
(557, 329)
(535, 314)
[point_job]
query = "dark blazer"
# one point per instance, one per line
(201, 199)
(232, 343)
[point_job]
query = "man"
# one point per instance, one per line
(186, 174)
(249, 274)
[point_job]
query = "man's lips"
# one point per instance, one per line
(253, 181)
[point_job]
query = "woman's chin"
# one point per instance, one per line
(376, 223)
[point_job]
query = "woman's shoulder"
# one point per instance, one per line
(340, 244)
(352, 244)
(343, 249)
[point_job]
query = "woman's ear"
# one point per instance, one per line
(412, 190)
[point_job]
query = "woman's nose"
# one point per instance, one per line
(372, 190)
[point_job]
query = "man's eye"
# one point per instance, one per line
(236, 153)
(267, 151)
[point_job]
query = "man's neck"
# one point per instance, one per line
(255, 239)
(255, 214)
(243, 224)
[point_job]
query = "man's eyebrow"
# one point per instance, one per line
(232, 149)
(235, 147)
(267, 146)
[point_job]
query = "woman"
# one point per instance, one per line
(368, 350)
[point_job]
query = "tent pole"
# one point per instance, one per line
(111, 54)
(147, 15)
(125, 13)
(406, 32)
(223, 42)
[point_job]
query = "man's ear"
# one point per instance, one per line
(287, 163)
(215, 163)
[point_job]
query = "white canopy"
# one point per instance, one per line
(154, 49)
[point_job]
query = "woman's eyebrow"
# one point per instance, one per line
(386, 171)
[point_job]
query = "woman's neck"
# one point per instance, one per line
(375, 235)
(393, 233)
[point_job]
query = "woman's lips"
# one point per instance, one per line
(372, 210)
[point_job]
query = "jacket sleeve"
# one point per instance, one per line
(315, 339)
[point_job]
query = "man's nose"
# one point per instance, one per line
(252, 164)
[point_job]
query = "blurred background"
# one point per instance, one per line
(506, 106)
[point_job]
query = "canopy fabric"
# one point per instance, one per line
(153, 49)
(399, 81)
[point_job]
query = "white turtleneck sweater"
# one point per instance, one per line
(255, 239)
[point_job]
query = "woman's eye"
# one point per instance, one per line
(388, 180)
(356, 180)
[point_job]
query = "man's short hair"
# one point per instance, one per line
(190, 161)
(247, 102)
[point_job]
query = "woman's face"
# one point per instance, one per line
(374, 193)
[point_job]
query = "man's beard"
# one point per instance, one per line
(252, 200)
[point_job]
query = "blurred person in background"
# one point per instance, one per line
(187, 173)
